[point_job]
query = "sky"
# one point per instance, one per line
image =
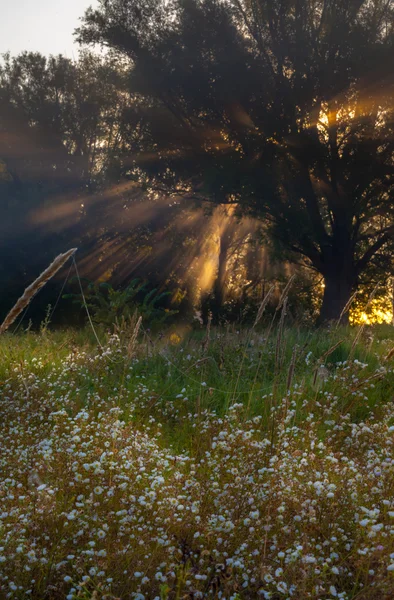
(45, 26)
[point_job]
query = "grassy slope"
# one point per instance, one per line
(189, 469)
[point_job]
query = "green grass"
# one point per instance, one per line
(238, 366)
(240, 425)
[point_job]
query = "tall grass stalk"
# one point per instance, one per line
(290, 373)
(133, 339)
(362, 327)
(279, 338)
(282, 301)
(35, 287)
(346, 309)
(263, 306)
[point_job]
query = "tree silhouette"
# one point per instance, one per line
(56, 119)
(284, 108)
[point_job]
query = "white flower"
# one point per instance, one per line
(309, 559)
(308, 358)
(335, 570)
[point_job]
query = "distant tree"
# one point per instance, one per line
(71, 108)
(57, 117)
(284, 108)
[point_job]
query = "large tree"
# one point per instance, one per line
(284, 108)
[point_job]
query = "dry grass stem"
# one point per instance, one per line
(321, 372)
(390, 354)
(285, 292)
(280, 335)
(133, 340)
(362, 327)
(291, 370)
(331, 350)
(205, 343)
(263, 306)
(35, 287)
(346, 309)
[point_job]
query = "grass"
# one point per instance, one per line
(235, 465)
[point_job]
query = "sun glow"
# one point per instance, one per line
(379, 311)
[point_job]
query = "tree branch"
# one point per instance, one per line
(362, 263)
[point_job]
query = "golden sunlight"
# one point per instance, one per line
(380, 310)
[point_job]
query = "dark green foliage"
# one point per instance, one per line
(285, 108)
(109, 306)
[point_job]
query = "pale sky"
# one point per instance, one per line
(45, 26)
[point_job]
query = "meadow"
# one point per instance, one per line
(221, 463)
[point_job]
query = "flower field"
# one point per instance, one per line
(231, 468)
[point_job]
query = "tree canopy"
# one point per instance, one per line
(284, 109)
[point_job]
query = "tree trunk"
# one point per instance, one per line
(337, 292)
